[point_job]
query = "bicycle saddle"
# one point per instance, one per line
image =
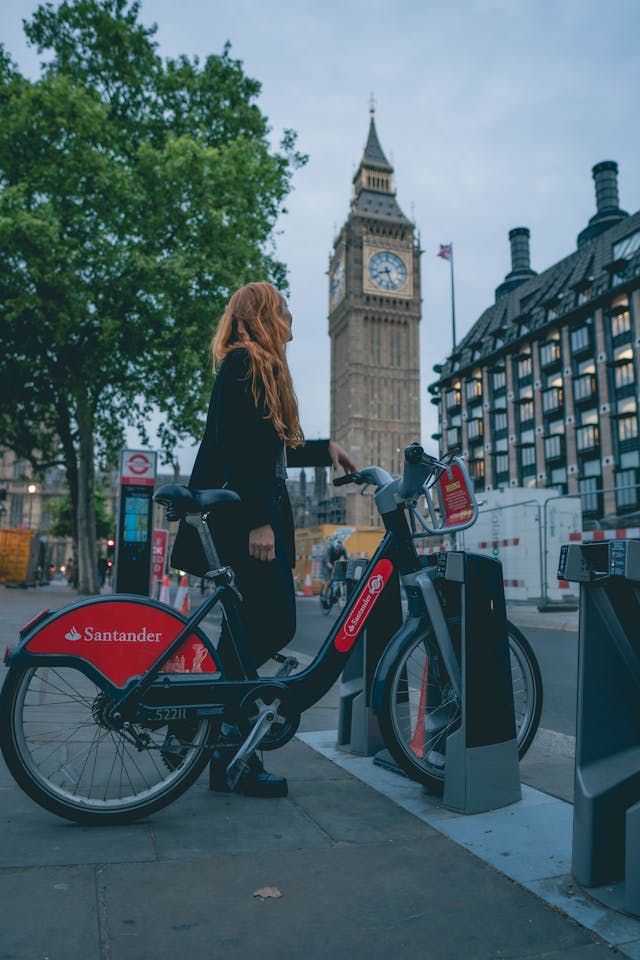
(180, 500)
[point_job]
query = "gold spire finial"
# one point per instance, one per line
(372, 105)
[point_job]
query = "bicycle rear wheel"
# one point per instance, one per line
(420, 708)
(66, 753)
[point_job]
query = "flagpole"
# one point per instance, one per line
(453, 302)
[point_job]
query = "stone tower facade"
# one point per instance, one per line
(374, 316)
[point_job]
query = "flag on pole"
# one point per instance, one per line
(445, 251)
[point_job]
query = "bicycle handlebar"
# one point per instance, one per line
(418, 467)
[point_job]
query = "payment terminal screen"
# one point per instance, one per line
(136, 517)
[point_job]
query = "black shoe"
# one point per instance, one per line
(259, 783)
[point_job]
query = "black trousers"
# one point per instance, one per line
(268, 608)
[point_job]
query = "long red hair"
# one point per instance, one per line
(255, 321)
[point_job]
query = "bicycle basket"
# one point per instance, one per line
(457, 507)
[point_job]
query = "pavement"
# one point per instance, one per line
(366, 865)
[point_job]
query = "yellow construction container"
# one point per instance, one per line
(312, 542)
(18, 555)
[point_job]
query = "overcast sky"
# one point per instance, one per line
(493, 113)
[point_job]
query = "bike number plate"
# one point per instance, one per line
(121, 639)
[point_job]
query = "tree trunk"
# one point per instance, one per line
(87, 543)
(71, 469)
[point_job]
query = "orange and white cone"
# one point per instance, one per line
(165, 596)
(308, 589)
(182, 596)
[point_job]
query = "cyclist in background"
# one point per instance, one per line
(334, 552)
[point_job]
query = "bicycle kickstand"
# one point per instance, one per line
(267, 716)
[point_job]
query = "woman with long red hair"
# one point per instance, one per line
(252, 432)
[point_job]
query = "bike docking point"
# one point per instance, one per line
(606, 806)
(482, 767)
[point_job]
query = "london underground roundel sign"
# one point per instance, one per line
(138, 466)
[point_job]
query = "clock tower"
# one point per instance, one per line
(374, 313)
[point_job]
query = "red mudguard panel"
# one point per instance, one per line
(121, 639)
(368, 593)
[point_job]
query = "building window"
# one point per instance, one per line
(500, 403)
(623, 375)
(499, 379)
(528, 456)
(525, 368)
(526, 411)
(627, 429)
(16, 510)
(553, 447)
(500, 422)
(502, 464)
(584, 388)
(475, 429)
(626, 489)
(552, 400)
(587, 437)
(558, 480)
(473, 390)
(588, 494)
(453, 438)
(627, 246)
(549, 353)
(620, 323)
(580, 339)
(452, 398)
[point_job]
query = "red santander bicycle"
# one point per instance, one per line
(112, 706)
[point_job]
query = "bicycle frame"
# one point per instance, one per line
(155, 694)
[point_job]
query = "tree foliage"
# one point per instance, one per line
(136, 193)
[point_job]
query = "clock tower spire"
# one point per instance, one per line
(374, 313)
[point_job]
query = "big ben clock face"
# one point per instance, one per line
(387, 271)
(337, 281)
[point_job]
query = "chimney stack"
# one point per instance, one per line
(520, 261)
(520, 258)
(608, 212)
(605, 175)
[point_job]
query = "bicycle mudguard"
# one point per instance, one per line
(409, 629)
(117, 636)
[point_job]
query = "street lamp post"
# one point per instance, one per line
(31, 489)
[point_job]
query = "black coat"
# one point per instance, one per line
(241, 449)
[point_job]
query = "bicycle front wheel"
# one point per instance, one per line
(66, 753)
(420, 708)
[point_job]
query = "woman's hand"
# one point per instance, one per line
(262, 543)
(340, 458)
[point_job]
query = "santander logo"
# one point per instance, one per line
(367, 596)
(92, 634)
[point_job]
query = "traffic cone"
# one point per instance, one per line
(308, 589)
(182, 596)
(165, 596)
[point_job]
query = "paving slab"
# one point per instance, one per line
(374, 901)
(49, 914)
(33, 837)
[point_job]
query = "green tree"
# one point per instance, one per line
(135, 194)
(62, 517)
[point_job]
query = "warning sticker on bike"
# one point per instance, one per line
(368, 594)
(456, 498)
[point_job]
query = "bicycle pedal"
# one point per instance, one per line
(235, 771)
